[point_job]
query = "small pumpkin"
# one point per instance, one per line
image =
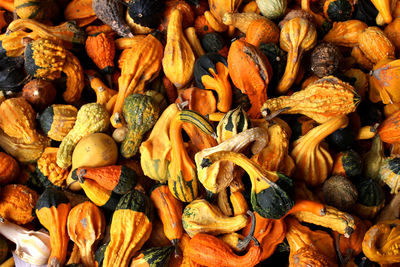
(347, 163)
(370, 200)
(146, 13)
(338, 10)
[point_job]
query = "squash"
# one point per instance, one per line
(80, 11)
(277, 58)
(297, 36)
(345, 33)
(130, 228)
(101, 49)
(384, 8)
(202, 217)
(39, 93)
(272, 9)
(314, 100)
(110, 13)
(375, 45)
(194, 41)
(37, 9)
(49, 173)
(251, 72)
(339, 192)
(381, 241)
(370, 200)
(389, 173)
(12, 74)
(57, 120)
(241, 21)
(140, 113)
(94, 150)
(338, 10)
(325, 59)
(9, 169)
(90, 118)
(52, 210)
(383, 81)
(392, 33)
(211, 72)
(388, 129)
(103, 93)
(361, 84)
(196, 99)
(146, 13)
(44, 58)
(153, 257)
(178, 61)
(18, 119)
(17, 203)
(268, 188)
(347, 163)
(214, 43)
(314, 163)
(234, 121)
(202, 26)
(86, 225)
(262, 31)
(187, 12)
(118, 178)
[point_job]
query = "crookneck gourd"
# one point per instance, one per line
(138, 65)
(218, 176)
(251, 72)
(211, 72)
(103, 93)
(179, 59)
(86, 225)
(271, 193)
(182, 179)
(384, 81)
(52, 210)
(202, 217)
(298, 35)
(91, 118)
(314, 163)
(345, 33)
(140, 113)
(322, 100)
(46, 59)
(155, 151)
(381, 242)
(131, 226)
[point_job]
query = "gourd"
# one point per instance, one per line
(18, 119)
(146, 13)
(195, 98)
(383, 82)
(389, 173)
(262, 31)
(241, 21)
(272, 9)
(169, 210)
(11, 44)
(130, 228)
(313, 161)
(110, 13)
(338, 10)
(178, 61)
(339, 192)
(345, 33)
(153, 257)
(297, 36)
(375, 45)
(392, 32)
(17, 203)
(202, 217)
(381, 241)
(45, 58)
(271, 192)
(118, 178)
(39, 93)
(211, 72)
(138, 65)
(194, 41)
(101, 49)
(49, 173)
(251, 72)
(325, 59)
(11, 73)
(220, 7)
(37, 9)
(32, 247)
(347, 163)
(103, 93)
(374, 158)
(214, 43)
(182, 178)
(52, 210)
(94, 150)
(9, 169)
(384, 8)
(57, 120)
(86, 225)
(67, 34)
(140, 113)
(361, 84)
(218, 176)
(388, 129)
(277, 58)
(363, 61)
(90, 118)
(315, 101)
(80, 11)
(234, 121)
(371, 198)
(155, 151)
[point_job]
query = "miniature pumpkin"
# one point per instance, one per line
(338, 10)
(146, 13)
(370, 200)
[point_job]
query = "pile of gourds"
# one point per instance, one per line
(199, 133)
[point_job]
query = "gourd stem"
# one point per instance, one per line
(242, 244)
(273, 114)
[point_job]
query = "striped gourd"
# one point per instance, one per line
(36, 9)
(153, 257)
(234, 122)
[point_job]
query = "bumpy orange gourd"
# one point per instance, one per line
(101, 49)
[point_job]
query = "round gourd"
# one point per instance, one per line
(36, 9)
(347, 163)
(9, 168)
(39, 93)
(272, 9)
(338, 10)
(95, 150)
(57, 120)
(341, 139)
(370, 200)
(339, 192)
(325, 60)
(146, 12)
(389, 173)
(214, 42)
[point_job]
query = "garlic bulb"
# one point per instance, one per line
(31, 246)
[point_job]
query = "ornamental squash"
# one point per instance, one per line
(370, 200)
(49, 173)
(9, 168)
(140, 113)
(234, 121)
(39, 10)
(271, 192)
(80, 11)
(384, 8)
(11, 73)
(375, 45)
(388, 129)
(384, 80)
(339, 192)
(347, 163)
(272, 9)
(52, 210)
(214, 43)
(101, 49)
(277, 58)
(86, 225)
(241, 21)
(130, 228)
(297, 36)
(153, 257)
(251, 72)
(338, 10)
(325, 59)
(146, 13)
(262, 31)
(389, 173)
(345, 33)
(103, 93)
(39, 93)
